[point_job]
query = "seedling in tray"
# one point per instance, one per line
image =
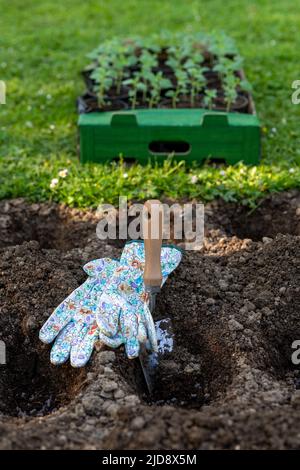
(181, 88)
(157, 84)
(196, 77)
(136, 84)
(226, 67)
(122, 60)
(148, 62)
(209, 98)
(104, 80)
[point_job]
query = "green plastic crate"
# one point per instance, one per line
(190, 134)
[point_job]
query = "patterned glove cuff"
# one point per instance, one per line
(134, 255)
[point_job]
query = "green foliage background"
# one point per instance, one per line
(43, 47)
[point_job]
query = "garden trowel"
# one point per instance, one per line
(153, 234)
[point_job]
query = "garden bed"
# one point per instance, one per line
(163, 89)
(241, 301)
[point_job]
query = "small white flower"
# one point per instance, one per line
(292, 170)
(222, 173)
(63, 173)
(53, 183)
(274, 130)
(125, 175)
(52, 127)
(194, 179)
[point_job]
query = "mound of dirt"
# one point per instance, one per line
(230, 382)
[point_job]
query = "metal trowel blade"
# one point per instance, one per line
(150, 360)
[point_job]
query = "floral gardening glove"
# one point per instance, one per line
(73, 322)
(123, 315)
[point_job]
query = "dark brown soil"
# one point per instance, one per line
(183, 104)
(88, 103)
(230, 383)
(241, 104)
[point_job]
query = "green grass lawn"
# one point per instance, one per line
(43, 47)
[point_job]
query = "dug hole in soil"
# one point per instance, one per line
(230, 383)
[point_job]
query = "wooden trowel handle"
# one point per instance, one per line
(152, 234)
